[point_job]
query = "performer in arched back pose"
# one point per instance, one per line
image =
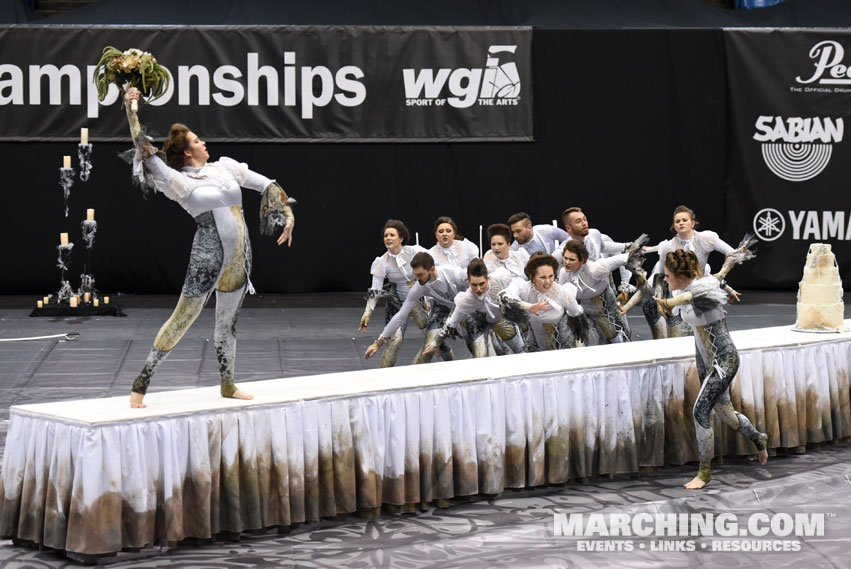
(221, 252)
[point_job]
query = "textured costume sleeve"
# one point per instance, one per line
(663, 248)
(600, 269)
(463, 307)
(611, 247)
(274, 209)
(416, 293)
(377, 272)
(245, 177)
(511, 297)
(165, 179)
(714, 243)
(567, 296)
(471, 248)
(707, 294)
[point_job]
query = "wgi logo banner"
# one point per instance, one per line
(789, 159)
(279, 84)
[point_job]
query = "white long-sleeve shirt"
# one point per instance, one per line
(395, 268)
(593, 277)
(543, 239)
(515, 264)
(468, 302)
(214, 185)
(442, 290)
(599, 246)
(701, 244)
(459, 254)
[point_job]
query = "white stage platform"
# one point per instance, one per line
(93, 477)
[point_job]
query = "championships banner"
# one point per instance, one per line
(278, 84)
(790, 163)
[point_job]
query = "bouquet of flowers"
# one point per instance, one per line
(131, 68)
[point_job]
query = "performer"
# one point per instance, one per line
(451, 249)
(701, 305)
(559, 323)
(395, 267)
(501, 255)
(221, 253)
(534, 238)
(591, 279)
(702, 243)
(442, 284)
(480, 310)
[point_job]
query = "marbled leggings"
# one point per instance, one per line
(208, 271)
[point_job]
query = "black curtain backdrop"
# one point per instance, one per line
(628, 125)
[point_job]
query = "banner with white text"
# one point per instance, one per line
(789, 94)
(278, 83)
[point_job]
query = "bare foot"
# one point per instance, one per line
(240, 394)
(136, 400)
(762, 455)
(695, 484)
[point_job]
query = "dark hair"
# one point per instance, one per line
(537, 260)
(499, 229)
(447, 219)
(399, 227)
(570, 210)
(683, 263)
(175, 145)
(518, 217)
(477, 268)
(422, 260)
(577, 247)
(684, 209)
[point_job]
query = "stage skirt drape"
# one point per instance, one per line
(97, 487)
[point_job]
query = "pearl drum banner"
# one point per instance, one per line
(278, 84)
(789, 96)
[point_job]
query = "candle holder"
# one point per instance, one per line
(87, 284)
(66, 180)
(90, 227)
(65, 290)
(84, 153)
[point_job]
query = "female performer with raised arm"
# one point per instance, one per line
(451, 249)
(700, 302)
(556, 320)
(395, 267)
(686, 238)
(591, 279)
(221, 253)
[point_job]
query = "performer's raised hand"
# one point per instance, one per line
(540, 306)
(287, 235)
(132, 94)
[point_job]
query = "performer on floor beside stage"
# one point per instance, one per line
(451, 249)
(500, 254)
(700, 302)
(220, 259)
(686, 238)
(394, 266)
(591, 279)
(556, 319)
(478, 309)
(441, 284)
(534, 238)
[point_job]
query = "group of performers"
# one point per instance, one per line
(550, 288)
(539, 287)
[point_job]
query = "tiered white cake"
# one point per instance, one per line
(820, 304)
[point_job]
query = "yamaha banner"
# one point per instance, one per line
(790, 98)
(278, 84)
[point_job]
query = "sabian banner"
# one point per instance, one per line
(789, 94)
(278, 84)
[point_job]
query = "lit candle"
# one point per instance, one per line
(87, 296)
(63, 238)
(90, 214)
(84, 136)
(73, 302)
(96, 303)
(106, 300)
(46, 300)
(39, 304)
(66, 161)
